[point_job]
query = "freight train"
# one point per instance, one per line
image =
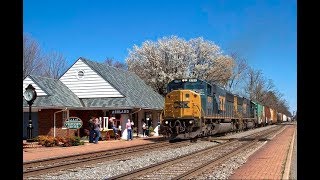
(194, 108)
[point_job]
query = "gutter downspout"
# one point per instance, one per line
(54, 121)
(136, 111)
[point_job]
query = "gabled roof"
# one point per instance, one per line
(59, 95)
(136, 92)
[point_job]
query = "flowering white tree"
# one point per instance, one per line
(208, 62)
(157, 63)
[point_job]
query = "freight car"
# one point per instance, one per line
(194, 108)
(273, 113)
(270, 116)
(260, 114)
(279, 117)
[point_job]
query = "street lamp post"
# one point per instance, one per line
(147, 130)
(30, 95)
(29, 127)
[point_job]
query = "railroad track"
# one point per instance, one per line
(190, 165)
(212, 164)
(39, 167)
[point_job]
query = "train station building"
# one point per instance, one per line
(89, 89)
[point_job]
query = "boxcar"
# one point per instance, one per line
(273, 113)
(267, 115)
(260, 118)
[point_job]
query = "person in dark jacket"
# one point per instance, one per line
(91, 130)
(113, 126)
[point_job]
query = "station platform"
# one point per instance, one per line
(41, 152)
(272, 161)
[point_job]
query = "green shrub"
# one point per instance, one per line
(77, 141)
(60, 141)
(50, 141)
(74, 140)
(42, 140)
(84, 138)
(35, 139)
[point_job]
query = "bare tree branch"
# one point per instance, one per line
(263, 91)
(115, 63)
(55, 65)
(240, 71)
(32, 58)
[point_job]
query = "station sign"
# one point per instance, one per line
(73, 123)
(120, 111)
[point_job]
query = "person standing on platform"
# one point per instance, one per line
(91, 130)
(144, 128)
(129, 130)
(113, 126)
(96, 130)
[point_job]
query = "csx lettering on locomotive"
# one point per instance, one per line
(181, 104)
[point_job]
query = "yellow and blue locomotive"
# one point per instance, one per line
(194, 108)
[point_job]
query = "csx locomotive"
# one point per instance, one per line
(194, 108)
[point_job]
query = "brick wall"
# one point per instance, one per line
(46, 118)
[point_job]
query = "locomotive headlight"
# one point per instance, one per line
(190, 122)
(166, 122)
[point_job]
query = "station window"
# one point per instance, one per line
(80, 74)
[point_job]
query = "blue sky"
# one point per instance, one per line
(262, 31)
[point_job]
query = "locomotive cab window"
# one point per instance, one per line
(209, 89)
(175, 86)
(187, 95)
(195, 86)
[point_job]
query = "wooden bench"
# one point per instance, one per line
(106, 134)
